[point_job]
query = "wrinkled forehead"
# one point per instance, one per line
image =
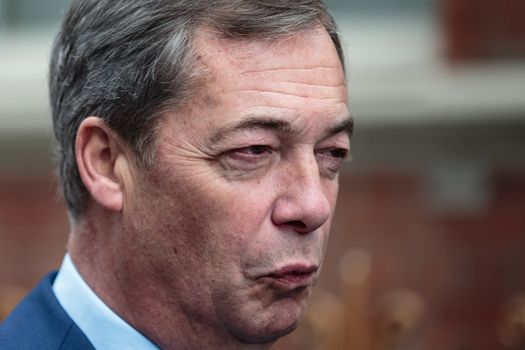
(221, 55)
(298, 79)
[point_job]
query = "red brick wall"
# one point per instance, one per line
(484, 29)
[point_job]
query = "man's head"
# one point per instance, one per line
(208, 165)
(130, 61)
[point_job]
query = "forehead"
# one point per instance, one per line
(296, 79)
(313, 45)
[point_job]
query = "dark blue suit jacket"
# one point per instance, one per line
(39, 322)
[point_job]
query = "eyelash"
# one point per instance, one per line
(256, 149)
(338, 152)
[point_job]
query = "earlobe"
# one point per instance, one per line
(99, 156)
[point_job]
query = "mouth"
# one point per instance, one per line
(292, 277)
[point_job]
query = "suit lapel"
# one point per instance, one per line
(39, 322)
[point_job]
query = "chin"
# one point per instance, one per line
(266, 336)
(277, 322)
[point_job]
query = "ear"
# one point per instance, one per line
(102, 162)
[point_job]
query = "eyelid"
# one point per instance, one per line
(247, 135)
(252, 154)
(340, 139)
(254, 151)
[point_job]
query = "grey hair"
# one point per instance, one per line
(129, 61)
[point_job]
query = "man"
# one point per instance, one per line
(199, 149)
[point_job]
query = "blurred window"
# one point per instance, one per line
(378, 6)
(16, 14)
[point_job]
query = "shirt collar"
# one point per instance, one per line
(102, 326)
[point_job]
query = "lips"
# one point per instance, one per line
(292, 276)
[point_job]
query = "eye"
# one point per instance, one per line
(254, 150)
(340, 153)
(330, 160)
(248, 158)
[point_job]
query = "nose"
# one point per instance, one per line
(303, 204)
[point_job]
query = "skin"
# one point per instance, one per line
(244, 184)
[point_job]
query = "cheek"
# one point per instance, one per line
(237, 217)
(331, 190)
(220, 218)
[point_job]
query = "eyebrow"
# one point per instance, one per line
(346, 126)
(267, 123)
(252, 123)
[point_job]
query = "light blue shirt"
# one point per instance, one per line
(103, 327)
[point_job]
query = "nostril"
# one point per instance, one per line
(297, 224)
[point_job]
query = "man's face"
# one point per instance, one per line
(234, 215)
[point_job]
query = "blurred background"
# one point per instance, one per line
(428, 245)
